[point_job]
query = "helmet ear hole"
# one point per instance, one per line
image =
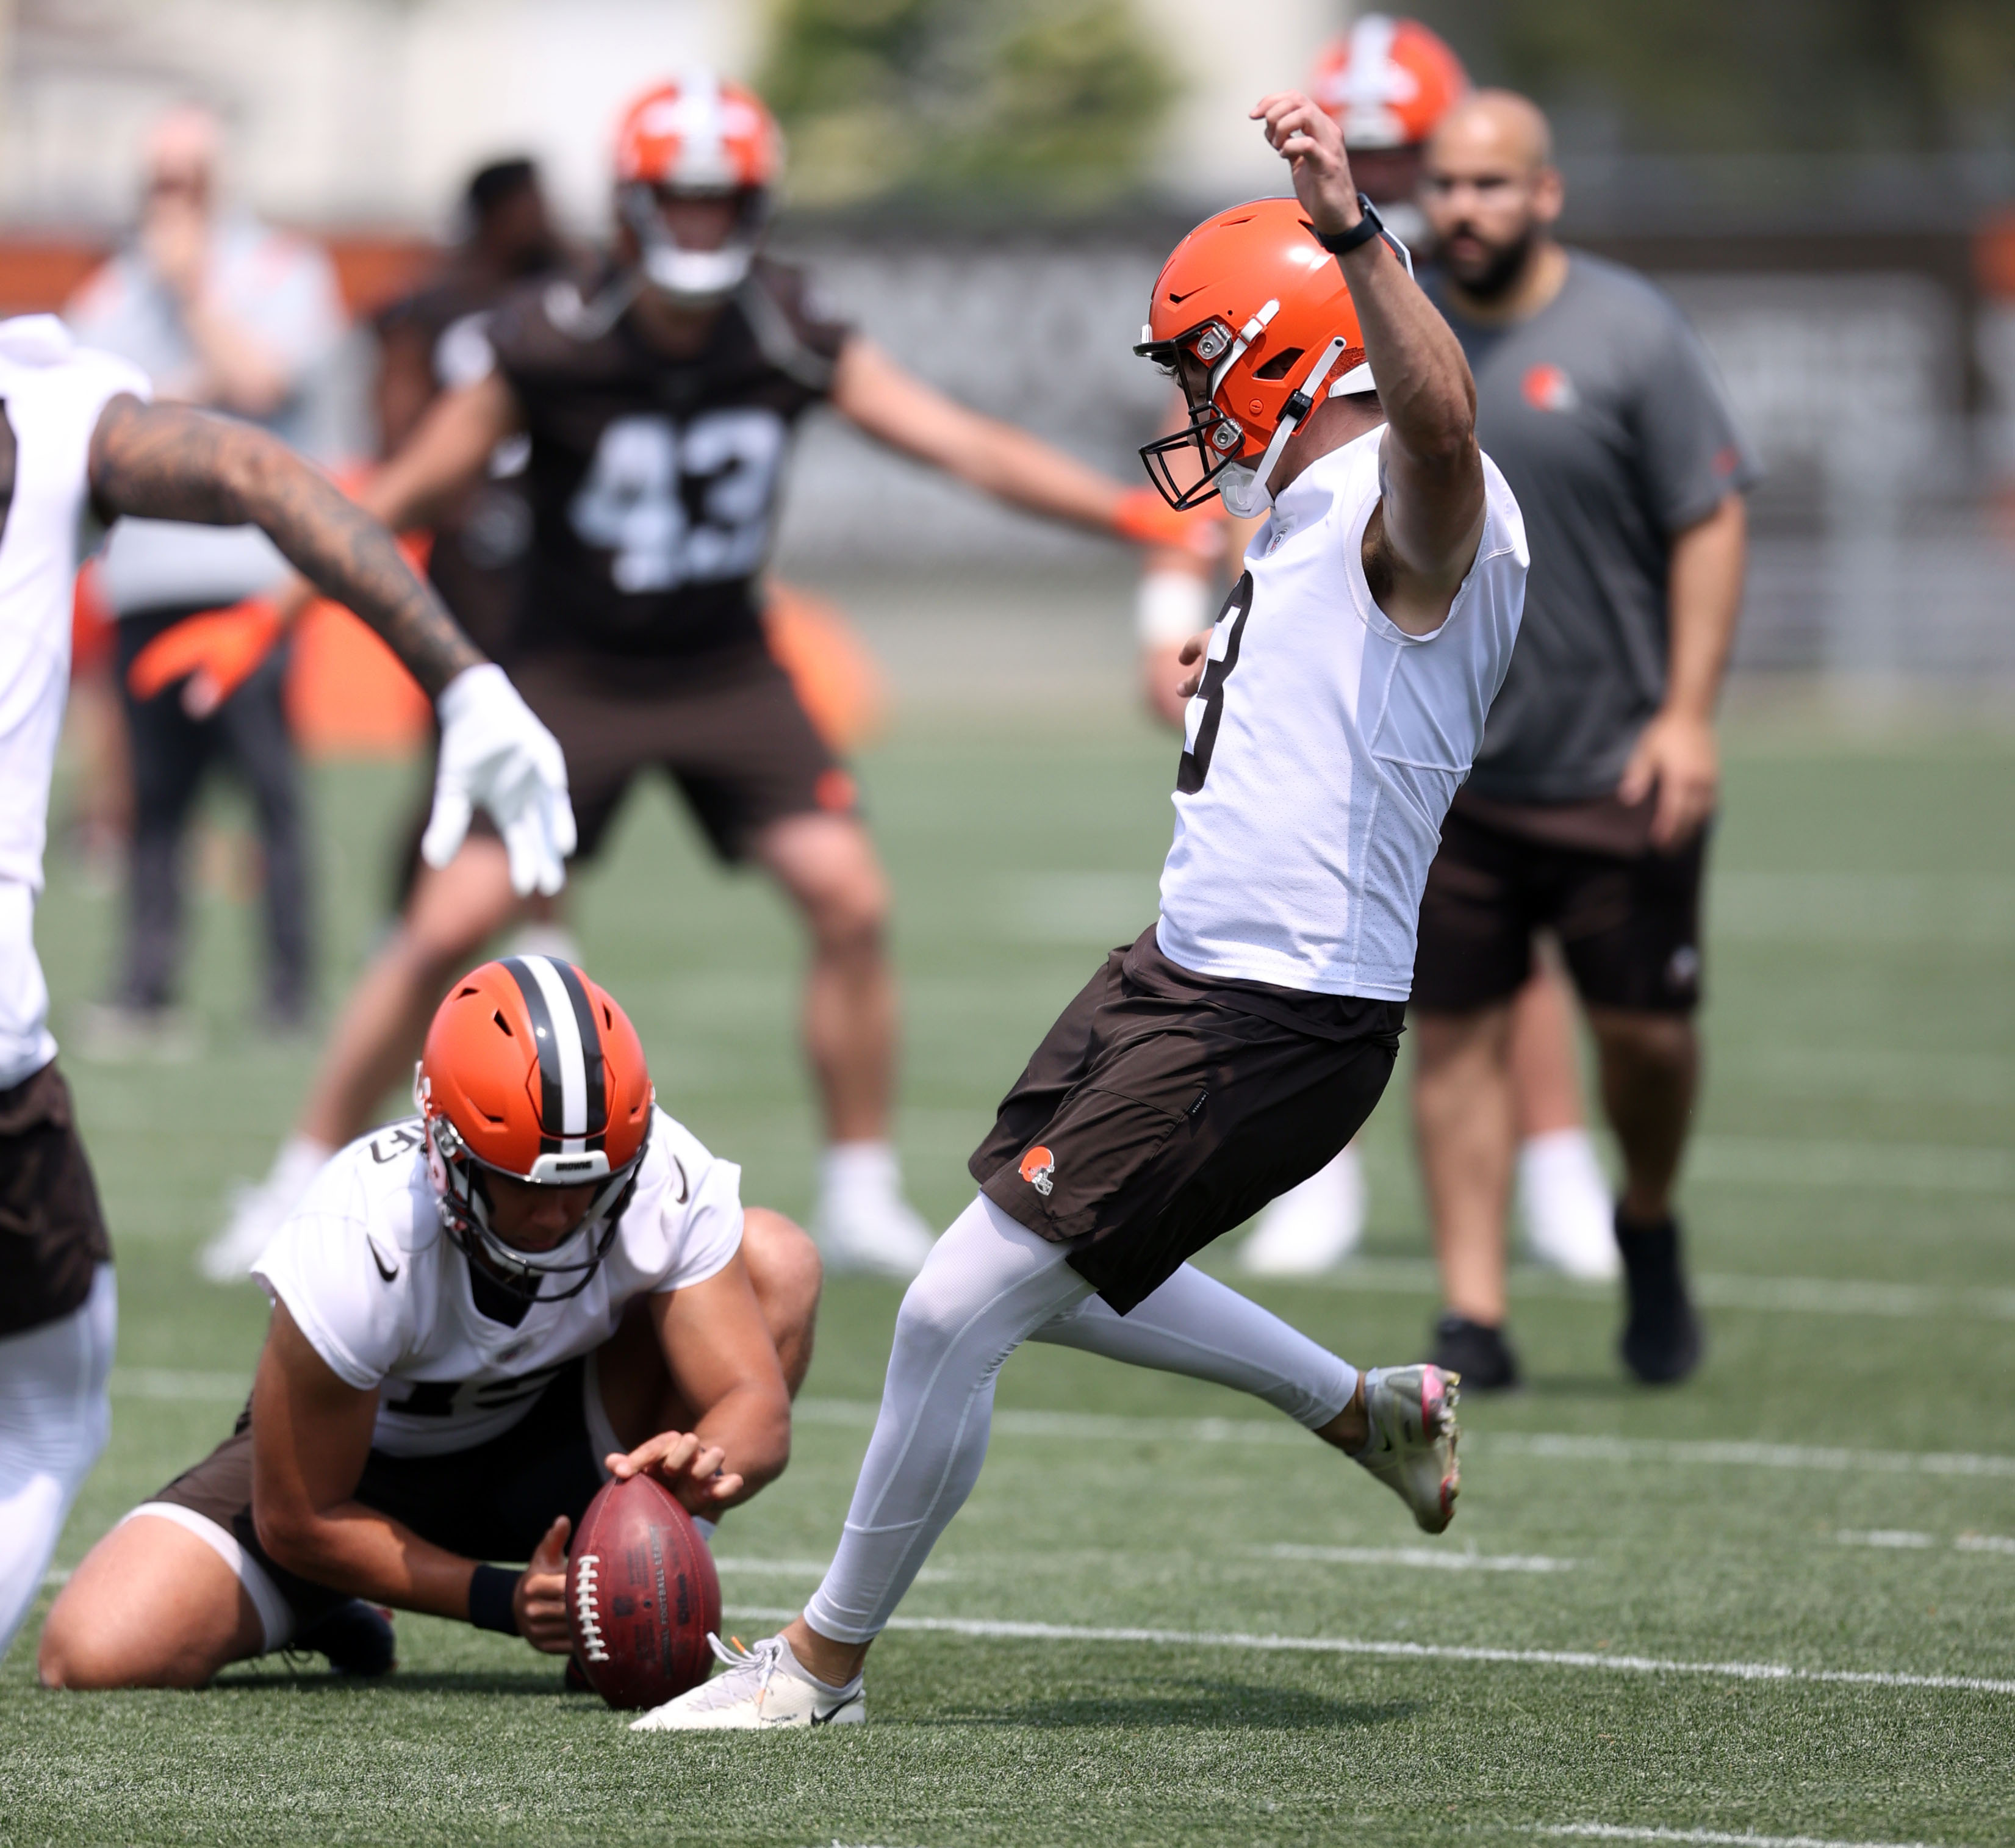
(1277, 368)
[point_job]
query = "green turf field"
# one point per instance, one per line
(1744, 1607)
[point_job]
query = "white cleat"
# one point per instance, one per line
(1411, 1410)
(1564, 1200)
(758, 1688)
(862, 1223)
(1311, 1227)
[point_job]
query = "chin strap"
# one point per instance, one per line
(1301, 401)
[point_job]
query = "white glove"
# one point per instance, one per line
(494, 752)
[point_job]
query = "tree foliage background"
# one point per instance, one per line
(1049, 102)
(1746, 76)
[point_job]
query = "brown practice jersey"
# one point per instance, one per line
(653, 480)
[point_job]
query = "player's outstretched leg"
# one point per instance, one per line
(1398, 1423)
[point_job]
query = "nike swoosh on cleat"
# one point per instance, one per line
(389, 1276)
(826, 1719)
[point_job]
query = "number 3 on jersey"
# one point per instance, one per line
(647, 475)
(1195, 765)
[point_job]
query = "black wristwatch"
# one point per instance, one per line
(1366, 228)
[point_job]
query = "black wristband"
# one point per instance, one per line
(490, 1595)
(1366, 228)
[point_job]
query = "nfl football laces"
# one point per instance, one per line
(759, 1688)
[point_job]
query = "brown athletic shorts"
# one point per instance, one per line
(1627, 916)
(1164, 1108)
(52, 1235)
(493, 1502)
(728, 728)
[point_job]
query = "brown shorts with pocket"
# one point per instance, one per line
(1627, 915)
(1164, 1108)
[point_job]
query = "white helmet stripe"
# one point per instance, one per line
(566, 1044)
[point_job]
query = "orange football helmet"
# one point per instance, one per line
(1387, 82)
(697, 137)
(1252, 318)
(531, 1070)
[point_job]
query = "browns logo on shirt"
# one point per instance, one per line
(653, 479)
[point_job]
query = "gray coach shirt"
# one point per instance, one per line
(1607, 419)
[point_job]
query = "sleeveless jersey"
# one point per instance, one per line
(1324, 745)
(52, 394)
(384, 1295)
(653, 480)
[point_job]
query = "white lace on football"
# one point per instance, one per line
(587, 1621)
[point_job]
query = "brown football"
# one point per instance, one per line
(642, 1596)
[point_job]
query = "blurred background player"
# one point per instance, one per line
(1588, 810)
(658, 389)
(75, 434)
(220, 311)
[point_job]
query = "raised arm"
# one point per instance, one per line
(167, 461)
(1432, 472)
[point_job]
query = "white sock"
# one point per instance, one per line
(1195, 1326)
(1564, 1200)
(301, 1158)
(869, 1168)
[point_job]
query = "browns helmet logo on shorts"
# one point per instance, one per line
(1039, 1169)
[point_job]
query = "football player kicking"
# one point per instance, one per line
(1241, 1040)
(76, 436)
(480, 1314)
(657, 392)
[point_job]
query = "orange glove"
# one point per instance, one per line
(216, 652)
(1145, 518)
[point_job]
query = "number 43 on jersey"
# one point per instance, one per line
(678, 505)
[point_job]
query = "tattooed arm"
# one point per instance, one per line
(167, 461)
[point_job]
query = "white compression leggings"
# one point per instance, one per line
(54, 1416)
(989, 1285)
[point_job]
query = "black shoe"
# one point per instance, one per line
(1477, 1351)
(1661, 1343)
(357, 1637)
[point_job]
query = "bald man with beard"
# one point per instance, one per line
(1589, 809)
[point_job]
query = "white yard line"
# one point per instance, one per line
(1424, 1557)
(991, 1628)
(1612, 1831)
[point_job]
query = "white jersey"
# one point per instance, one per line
(53, 392)
(1325, 744)
(383, 1294)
